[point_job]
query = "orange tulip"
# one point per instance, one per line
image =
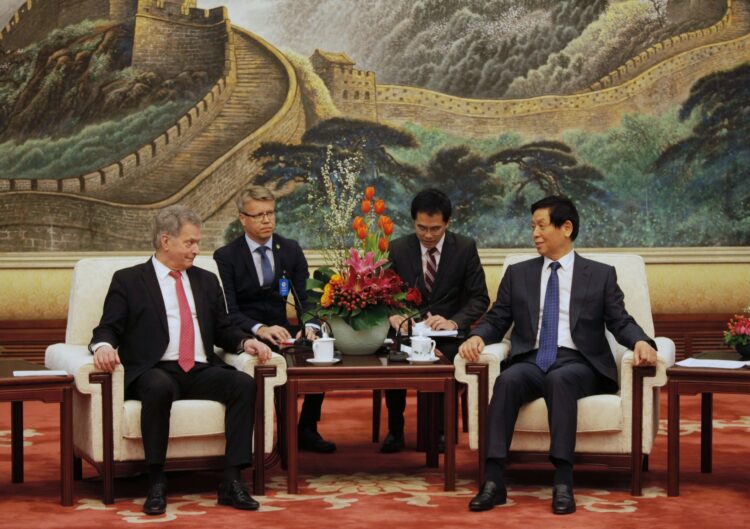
(358, 221)
(366, 205)
(362, 233)
(383, 244)
(379, 207)
(388, 228)
(369, 192)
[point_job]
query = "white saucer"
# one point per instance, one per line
(323, 362)
(422, 359)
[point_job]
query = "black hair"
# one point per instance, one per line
(561, 209)
(431, 201)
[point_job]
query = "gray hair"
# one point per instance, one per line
(170, 221)
(252, 193)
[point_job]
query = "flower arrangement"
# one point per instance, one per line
(362, 289)
(738, 329)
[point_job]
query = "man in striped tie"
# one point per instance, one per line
(161, 320)
(445, 267)
(558, 304)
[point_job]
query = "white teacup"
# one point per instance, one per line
(323, 349)
(422, 346)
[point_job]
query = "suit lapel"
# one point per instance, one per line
(533, 282)
(247, 258)
(153, 289)
(447, 258)
(579, 288)
(199, 296)
(415, 261)
(278, 267)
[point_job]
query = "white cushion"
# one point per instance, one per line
(189, 418)
(597, 413)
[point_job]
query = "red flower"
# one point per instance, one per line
(369, 192)
(366, 206)
(383, 244)
(414, 296)
(379, 207)
(362, 233)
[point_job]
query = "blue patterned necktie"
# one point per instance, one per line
(265, 265)
(547, 353)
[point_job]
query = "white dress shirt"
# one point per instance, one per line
(426, 251)
(426, 256)
(167, 284)
(565, 277)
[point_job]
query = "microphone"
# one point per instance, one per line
(298, 307)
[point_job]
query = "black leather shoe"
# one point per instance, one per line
(392, 443)
(156, 500)
(312, 441)
(441, 444)
(489, 496)
(562, 500)
(235, 494)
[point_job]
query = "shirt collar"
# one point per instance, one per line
(566, 261)
(162, 270)
(254, 245)
(439, 246)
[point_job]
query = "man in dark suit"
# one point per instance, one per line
(445, 267)
(161, 320)
(253, 267)
(559, 305)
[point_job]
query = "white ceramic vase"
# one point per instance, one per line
(351, 342)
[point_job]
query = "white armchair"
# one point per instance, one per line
(107, 430)
(617, 430)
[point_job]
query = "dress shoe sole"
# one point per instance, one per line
(227, 502)
(154, 512)
(479, 508)
(321, 450)
(567, 510)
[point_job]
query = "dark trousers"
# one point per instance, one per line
(310, 413)
(570, 378)
(395, 399)
(166, 382)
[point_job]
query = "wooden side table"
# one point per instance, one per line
(45, 388)
(691, 381)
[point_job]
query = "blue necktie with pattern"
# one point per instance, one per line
(265, 265)
(547, 353)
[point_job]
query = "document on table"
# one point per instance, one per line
(720, 364)
(420, 329)
(41, 373)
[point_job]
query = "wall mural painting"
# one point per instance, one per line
(637, 109)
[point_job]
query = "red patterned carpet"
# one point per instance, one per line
(357, 487)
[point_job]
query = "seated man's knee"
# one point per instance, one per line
(156, 386)
(242, 383)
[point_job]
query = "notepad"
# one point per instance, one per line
(420, 329)
(41, 373)
(712, 363)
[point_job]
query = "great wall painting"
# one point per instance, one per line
(638, 109)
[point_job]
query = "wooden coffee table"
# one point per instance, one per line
(691, 381)
(371, 372)
(45, 388)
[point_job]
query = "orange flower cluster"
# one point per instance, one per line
(375, 241)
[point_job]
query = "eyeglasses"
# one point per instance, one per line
(270, 215)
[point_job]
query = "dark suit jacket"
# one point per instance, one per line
(459, 285)
(134, 319)
(248, 303)
(596, 300)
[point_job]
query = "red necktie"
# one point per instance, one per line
(187, 332)
(430, 269)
